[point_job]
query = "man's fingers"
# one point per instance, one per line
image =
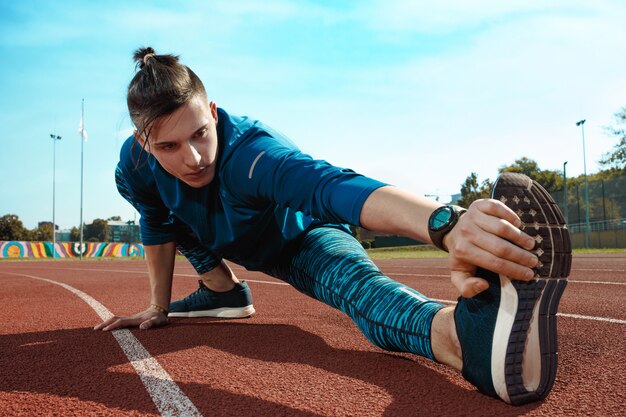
(151, 322)
(479, 257)
(145, 320)
(119, 322)
(498, 219)
(105, 323)
(498, 209)
(503, 248)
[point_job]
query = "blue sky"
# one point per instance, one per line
(418, 94)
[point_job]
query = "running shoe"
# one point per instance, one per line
(236, 303)
(508, 333)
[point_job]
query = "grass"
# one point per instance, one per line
(427, 251)
(403, 252)
(594, 251)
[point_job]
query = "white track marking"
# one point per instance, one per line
(573, 316)
(581, 317)
(127, 271)
(576, 316)
(595, 282)
(165, 393)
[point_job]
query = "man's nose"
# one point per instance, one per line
(192, 156)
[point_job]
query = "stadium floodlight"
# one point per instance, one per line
(581, 123)
(54, 138)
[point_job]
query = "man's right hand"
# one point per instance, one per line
(145, 320)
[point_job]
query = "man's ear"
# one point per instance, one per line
(213, 108)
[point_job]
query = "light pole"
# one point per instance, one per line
(54, 138)
(565, 210)
(581, 123)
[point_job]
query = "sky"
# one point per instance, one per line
(417, 94)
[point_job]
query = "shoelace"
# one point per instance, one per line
(197, 293)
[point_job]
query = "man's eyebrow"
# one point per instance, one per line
(161, 142)
(204, 126)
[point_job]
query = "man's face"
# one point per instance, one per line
(185, 142)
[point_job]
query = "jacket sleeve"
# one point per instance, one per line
(156, 223)
(270, 168)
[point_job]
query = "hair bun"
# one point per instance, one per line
(142, 55)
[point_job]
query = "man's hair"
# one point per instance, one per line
(160, 86)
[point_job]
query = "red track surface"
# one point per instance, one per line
(295, 357)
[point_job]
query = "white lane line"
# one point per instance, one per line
(596, 282)
(573, 316)
(576, 316)
(600, 270)
(388, 274)
(165, 393)
(447, 276)
(581, 317)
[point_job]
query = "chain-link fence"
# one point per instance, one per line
(607, 212)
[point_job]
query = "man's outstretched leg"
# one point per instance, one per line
(503, 340)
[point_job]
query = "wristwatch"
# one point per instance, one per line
(441, 221)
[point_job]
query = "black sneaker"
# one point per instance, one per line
(236, 303)
(508, 333)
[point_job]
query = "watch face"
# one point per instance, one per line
(440, 218)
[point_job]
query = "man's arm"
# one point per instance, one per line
(485, 236)
(160, 259)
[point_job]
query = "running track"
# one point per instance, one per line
(295, 357)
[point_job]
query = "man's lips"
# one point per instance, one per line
(197, 173)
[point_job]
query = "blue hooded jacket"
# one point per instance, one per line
(266, 193)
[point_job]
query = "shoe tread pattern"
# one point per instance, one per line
(543, 221)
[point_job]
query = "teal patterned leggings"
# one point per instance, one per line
(331, 266)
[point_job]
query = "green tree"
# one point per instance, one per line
(43, 233)
(75, 234)
(97, 231)
(115, 218)
(616, 158)
(12, 228)
(471, 190)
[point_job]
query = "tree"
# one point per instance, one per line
(115, 218)
(43, 233)
(12, 228)
(550, 180)
(471, 190)
(97, 231)
(75, 234)
(616, 158)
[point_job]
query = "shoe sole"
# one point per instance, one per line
(524, 368)
(224, 313)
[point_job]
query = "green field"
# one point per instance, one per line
(427, 251)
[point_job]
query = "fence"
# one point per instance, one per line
(607, 212)
(14, 249)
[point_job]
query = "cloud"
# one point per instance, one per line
(449, 16)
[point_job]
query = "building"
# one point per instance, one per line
(64, 235)
(120, 231)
